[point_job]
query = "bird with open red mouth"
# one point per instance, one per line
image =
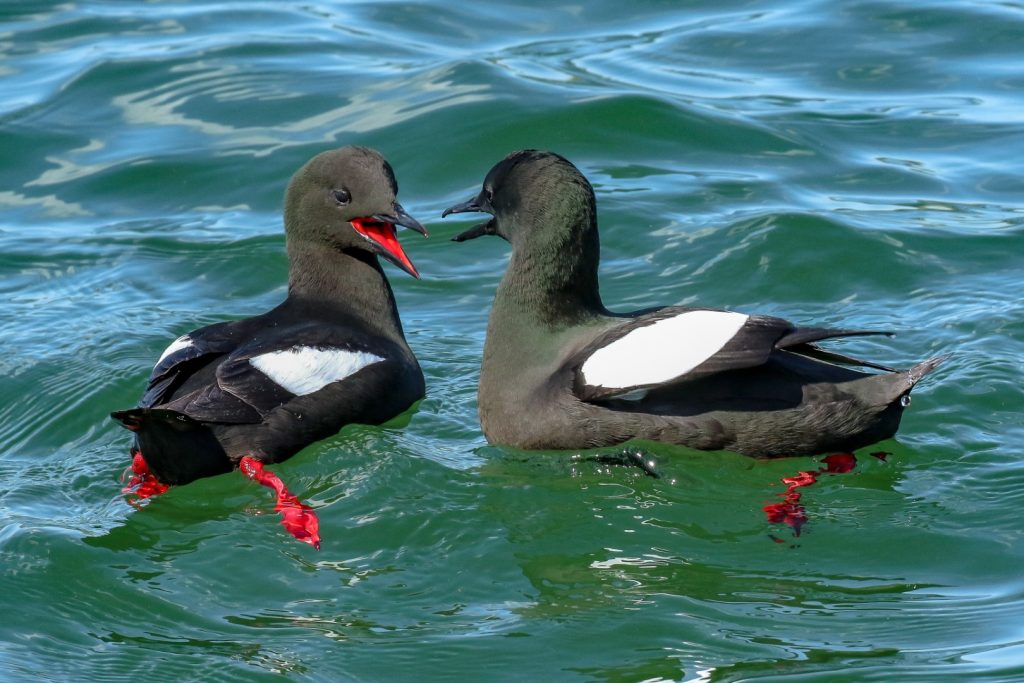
(249, 393)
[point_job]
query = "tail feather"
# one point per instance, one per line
(899, 385)
(177, 448)
(916, 373)
(137, 418)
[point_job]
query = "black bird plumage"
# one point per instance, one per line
(236, 389)
(764, 388)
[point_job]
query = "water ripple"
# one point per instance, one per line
(849, 164)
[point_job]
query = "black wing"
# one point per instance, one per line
(187, 355)
(673, 345)
(278, 368)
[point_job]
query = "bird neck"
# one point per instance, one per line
(553, 281)
(342, 282)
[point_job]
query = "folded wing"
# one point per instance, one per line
(674, 345)
(258, 378)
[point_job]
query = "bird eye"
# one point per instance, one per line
(489, 193)
(342, 196)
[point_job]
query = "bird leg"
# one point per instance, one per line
(297, 518)
(143, 483)
(791, 511)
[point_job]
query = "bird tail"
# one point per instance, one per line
(901, 383)
(918, 372)
(139, 419)
(177, 448)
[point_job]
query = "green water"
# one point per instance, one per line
(837, 163)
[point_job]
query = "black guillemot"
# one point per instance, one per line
(247, 393)
(560, 371)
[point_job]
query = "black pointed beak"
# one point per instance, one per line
(476, 231)
(399, 216)
(471, 206)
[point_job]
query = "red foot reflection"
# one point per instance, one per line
(296, 517)
(143, 484)
(791, 511)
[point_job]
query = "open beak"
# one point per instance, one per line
(471, 206)
(379, 230)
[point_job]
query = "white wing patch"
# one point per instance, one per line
(305, 369)
(184, 341)
(661, 351)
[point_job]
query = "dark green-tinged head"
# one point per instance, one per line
(531, 194)
(346, 199)
(544, 207)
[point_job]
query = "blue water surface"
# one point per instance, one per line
(856, 164)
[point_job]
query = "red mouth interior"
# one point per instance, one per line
(383, 235)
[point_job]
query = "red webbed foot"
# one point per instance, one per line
(297, 518)
(791, 511)
(143, 483)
